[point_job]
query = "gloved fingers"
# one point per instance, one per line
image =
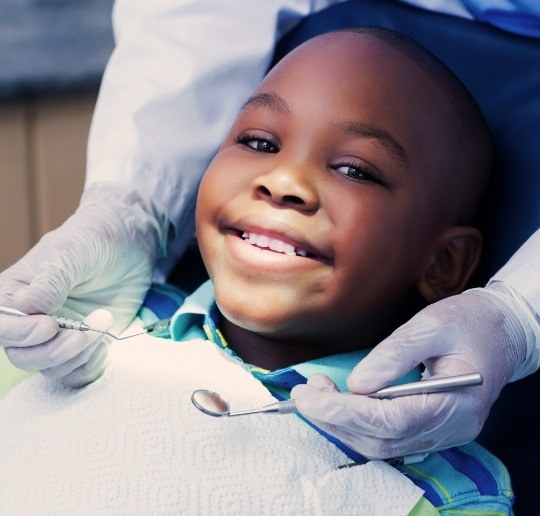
(445, 434)
(450, 366)
(375, 447)
(65, 345)
(89, 372)
(411, 344)
(13, 278)
(87, 357)
(316, 384)
(344, 410)
(100, 320)
(321, 382)
(46, 292)
(64, 368)
(89, 366)
(398, 418)
(22, 332)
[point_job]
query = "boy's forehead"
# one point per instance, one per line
(356, 74)
(353, 51)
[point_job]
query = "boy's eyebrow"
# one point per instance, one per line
(364, 130)
(277, 103)
(268, 100)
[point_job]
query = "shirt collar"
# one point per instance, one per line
(199, 317)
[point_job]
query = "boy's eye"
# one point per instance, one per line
(359, 173)
(257, 143)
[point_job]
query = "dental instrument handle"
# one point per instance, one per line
(280, 407)
(72, 324)
(427, 386)
(67, 324)
(63, 322)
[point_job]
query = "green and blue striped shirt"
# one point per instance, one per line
(466, 480)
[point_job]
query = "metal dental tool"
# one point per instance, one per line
(427, 386)
(68, 324)
(213, 404)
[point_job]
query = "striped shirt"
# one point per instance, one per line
(466, 480)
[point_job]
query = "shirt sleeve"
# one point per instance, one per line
(522, 275)
(180, 72)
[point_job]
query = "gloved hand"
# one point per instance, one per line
(477, 330)
(102, 256)
(80, 356)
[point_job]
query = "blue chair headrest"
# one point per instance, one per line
(502, 71)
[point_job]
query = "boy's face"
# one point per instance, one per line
(317, 214)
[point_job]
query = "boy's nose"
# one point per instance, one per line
(286, 187)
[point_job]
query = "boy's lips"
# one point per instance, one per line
(278, 238)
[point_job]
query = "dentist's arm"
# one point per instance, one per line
(494, 330)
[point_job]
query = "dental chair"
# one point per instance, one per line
(502, 71)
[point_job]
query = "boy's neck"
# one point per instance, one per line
(266, 352)
(275, 353)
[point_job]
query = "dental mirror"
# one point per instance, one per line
(213, 404)
(210, 403)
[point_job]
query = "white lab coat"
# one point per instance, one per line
(182, 69)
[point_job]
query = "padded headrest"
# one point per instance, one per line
(502, 71)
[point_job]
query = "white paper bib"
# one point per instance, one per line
(132, 443)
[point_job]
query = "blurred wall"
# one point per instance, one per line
(52, 57)
(42, 166)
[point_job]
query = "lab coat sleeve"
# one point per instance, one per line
(522, 275)
(180, 72)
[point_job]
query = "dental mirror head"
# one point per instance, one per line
(210, 403)
(213, 404)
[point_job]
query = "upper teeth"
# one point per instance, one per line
(272, 243)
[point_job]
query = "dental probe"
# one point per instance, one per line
(67, 324)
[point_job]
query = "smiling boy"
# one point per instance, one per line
(346, 186)
(340, 201)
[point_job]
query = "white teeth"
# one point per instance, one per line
(263, 241)
(289, 249)
(272, 243)
(277, 245)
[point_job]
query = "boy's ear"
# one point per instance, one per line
(453, 260)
